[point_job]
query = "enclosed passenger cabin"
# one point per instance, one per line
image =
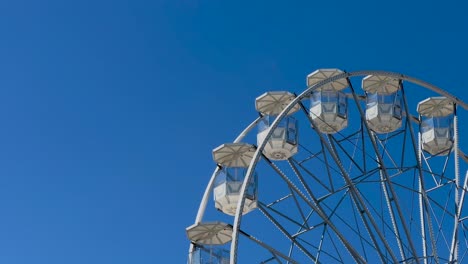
(208, 240)
(209, 255)
(383, 106)
(328, 103)
(283, 142)
(436, 119)
(234, 158)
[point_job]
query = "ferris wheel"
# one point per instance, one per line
(360, 167)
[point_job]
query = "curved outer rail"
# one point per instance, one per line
(258, 153)
(209, 187)
(307, 92)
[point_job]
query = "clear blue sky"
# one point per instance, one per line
(109, 110)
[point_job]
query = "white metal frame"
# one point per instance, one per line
(460, 192)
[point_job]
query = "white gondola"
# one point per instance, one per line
(436, 114)
(234, 159)
(208, 239)
(284, 140)
(383, 107)
(209, 255)
(328, 104)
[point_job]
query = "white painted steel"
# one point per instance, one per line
(269, 134)
(310, 89)
(209, 186)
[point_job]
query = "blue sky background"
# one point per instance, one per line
(109, 110)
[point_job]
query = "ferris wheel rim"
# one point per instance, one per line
(299, 98)
(293, 103)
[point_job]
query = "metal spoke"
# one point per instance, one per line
(316, 207)
(364, 181)
(388, 184)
